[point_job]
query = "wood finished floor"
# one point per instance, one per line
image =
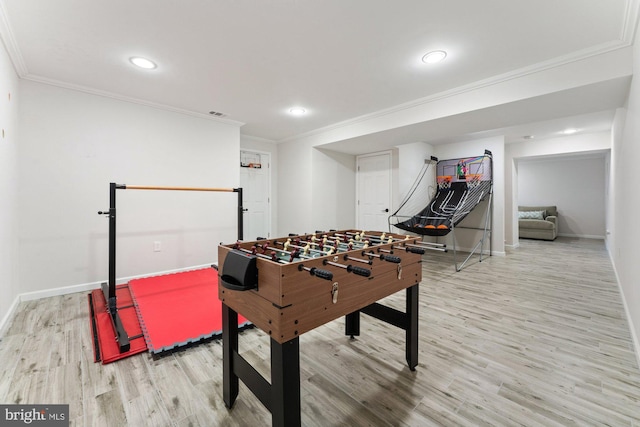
(536, 338)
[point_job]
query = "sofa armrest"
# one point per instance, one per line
(553, 219)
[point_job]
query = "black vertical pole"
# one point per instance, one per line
(112, 247)
(230, 384)
(109, 288)
(240, 214)
(352, 324)
(411, 350)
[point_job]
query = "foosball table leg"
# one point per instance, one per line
(352, 324)
(229, 347)
(412, 327)
(285, 383)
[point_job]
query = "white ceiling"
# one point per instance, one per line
(340, 59)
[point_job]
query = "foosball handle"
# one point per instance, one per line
(391, 258)
(359, 271)
(323, 274)
(415, 250)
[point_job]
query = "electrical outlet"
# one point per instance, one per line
(157, 246)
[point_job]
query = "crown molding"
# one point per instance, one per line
(630, 21)
(106, 94)
(480, 84)
(257, 139)
(10, 43)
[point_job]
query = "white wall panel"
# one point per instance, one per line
(9, 99)
(73, 144)
(576, 185)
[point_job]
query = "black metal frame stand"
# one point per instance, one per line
(109, 288)
(407, 321)
(282, 396)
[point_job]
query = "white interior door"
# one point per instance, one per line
(373, 191)
(255, 181)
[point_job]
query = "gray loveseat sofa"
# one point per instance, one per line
(538, 222)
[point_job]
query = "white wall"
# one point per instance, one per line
(294, 191)
(625, 232)
(316, 188)
(576, 185)
(333, 191)
(411, 158)
(573, 144)
(72, 144)
(9, 98)
(408, 169)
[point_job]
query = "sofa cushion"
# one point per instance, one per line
(536, 224)
(550, 210)
(531, 214)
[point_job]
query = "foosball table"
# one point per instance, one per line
(291, 285)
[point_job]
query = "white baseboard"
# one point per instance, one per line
(84, 287)
(582, 236)
(54, 292)
(632, 329)
(4, 324)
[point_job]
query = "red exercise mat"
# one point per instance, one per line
(106, 348)
(178, 309)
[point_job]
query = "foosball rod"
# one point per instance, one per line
(322, 274)
(273, 257)
(270, 258)
(358, 236)
(388, 258)
(350, 269)
(379, 237)
(354, 243)
(426, 244)
(378, 241)
(334, 245)
(302, 248)
(336, 241)
(307, 248)
(265, 247)
(410, 248)
(350, 258)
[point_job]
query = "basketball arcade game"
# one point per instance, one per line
(289, 286)
(462, 185)
(109, 287)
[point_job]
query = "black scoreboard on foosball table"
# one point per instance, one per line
(291, 285)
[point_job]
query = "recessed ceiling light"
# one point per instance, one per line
(297, 111)
(434, 57)
(569, 131)
(143, 63)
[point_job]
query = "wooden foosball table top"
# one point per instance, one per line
(295, 295)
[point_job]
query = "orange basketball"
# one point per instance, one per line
(430, 226)
(442, 227)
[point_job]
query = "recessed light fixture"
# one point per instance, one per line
(528, 137)
(297, 111)
(434, 57)
(141, 62)
(569, 131)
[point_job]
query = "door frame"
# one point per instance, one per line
(269, 181)
(388, 153)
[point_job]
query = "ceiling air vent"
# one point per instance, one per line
(217, 114)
